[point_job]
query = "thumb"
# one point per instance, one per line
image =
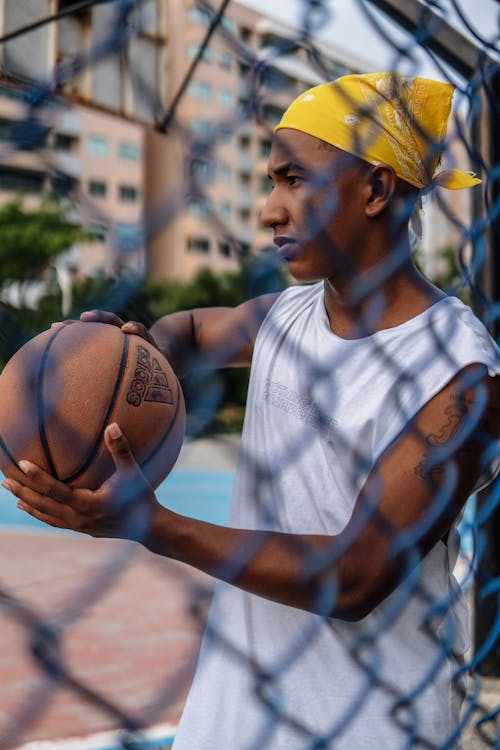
(119, 448)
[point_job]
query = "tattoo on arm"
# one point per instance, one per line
(432, 464)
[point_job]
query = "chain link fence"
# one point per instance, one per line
(445, 35)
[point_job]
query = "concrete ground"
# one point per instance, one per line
(91, 631)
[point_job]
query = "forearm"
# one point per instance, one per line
(210, 338)
(273, 565)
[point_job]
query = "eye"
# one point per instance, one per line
(293, 179)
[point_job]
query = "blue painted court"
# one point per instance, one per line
(203, 494)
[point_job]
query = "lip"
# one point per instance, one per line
(287, 246)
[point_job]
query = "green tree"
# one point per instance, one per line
(29, 240)
(448, 276)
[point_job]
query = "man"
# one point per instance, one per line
(371, 414)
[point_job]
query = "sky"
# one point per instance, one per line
(348, 30)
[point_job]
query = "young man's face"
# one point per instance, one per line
(315, 207)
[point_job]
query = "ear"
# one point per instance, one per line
(383, 182)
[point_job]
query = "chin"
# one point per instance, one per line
(304, 275)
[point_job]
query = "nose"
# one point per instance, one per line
(274, 212)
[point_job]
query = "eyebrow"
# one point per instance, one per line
(284, 169)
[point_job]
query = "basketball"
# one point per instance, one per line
(64, 386)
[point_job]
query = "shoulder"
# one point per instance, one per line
(463, 337)
(446, 336)
(297, 298)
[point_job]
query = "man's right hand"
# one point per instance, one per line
(103, 316)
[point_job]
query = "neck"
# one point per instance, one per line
(361, 307)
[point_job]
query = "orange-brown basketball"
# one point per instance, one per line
(63, 387)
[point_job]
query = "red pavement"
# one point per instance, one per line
(128, 631)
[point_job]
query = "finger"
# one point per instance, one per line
(119, 448)
(61, 323)
(41, 516)
(139, 329)
(32, 501)
(101, 316)
(43, 483)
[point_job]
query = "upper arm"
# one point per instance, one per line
(211, 336)
(419, 485)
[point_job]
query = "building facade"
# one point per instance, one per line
(90, 159)
(208, 175)
(170, 183)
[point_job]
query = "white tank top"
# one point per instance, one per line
(320, 411)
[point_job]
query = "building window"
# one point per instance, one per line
(97, 188)
(63, 184)
(193, 50)
(276, 42)
(128, 193)
(226, 173)
(202, 169)
(21, 180)
(201, 128)
(266, 185)
(5, 130)
(204, 18)
(200, 90)
(244, 142)
(198, 245)
(199, 15)
(226, 211)
(25, 135)
(244, 215)
(128, 237)
(225, 249)
(245, 109)
(226, 99)
(228, 24)
(271, 114)
(129, 151)
(64, 142)
(18, 95)
(200, 207)
(226, 60)
(97, 146)
(244, 69)
(264, 147)
(99, 230)
(245, 33)
(275, 80)
(225, 134)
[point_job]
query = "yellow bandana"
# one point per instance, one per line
(383, 118)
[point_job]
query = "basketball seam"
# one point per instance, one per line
(167, 432)
(3, 446)
(42, 431)
(112, 402)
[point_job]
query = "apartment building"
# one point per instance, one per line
(219, 145)
(169, 203)
(37, 154)
(111, 192)
(92, 160)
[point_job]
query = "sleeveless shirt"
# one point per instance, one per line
(320, 411)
